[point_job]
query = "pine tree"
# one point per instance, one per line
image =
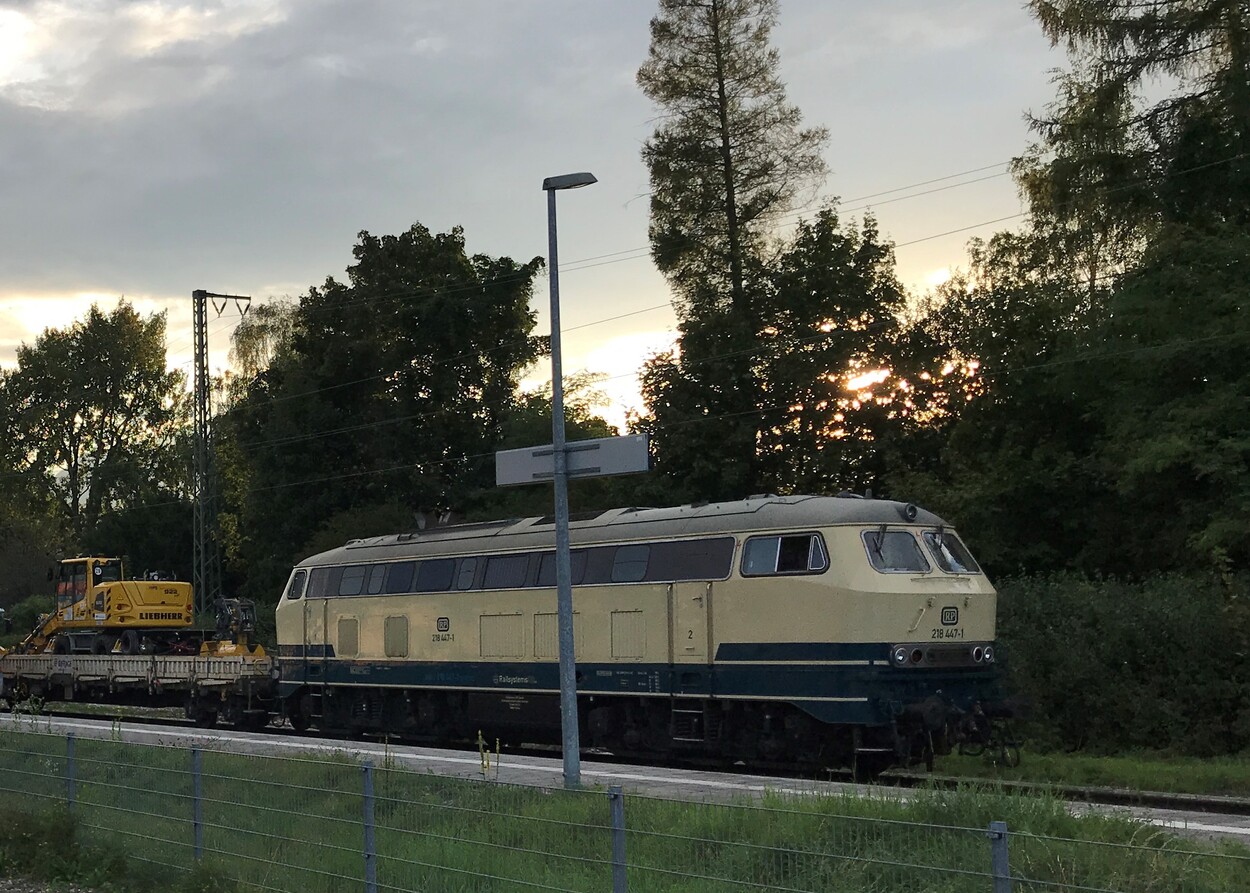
(727, 158)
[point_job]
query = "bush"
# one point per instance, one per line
(49, 845)
(22, 616)
(1111, 666)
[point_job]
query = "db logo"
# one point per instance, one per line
(444, 624)
(950, 616)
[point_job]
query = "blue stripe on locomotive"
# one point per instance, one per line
(861, 694)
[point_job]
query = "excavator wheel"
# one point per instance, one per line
(130, 642)
(61, 645)
(102, 644)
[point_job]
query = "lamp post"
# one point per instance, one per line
(570, 740)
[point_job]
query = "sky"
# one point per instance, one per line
(152, 147)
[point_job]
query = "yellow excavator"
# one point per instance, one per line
(100, 611)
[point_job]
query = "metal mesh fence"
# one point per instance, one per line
(331, 824)
(741, 848)
(1155, 862)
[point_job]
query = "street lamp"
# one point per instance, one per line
(571, 744)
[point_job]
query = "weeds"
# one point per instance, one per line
(1229, 776)
(296, 825)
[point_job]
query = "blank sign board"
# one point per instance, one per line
(586, 458)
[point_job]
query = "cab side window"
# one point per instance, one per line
(296, 589)
(802, 553)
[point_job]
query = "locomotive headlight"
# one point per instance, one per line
(989, 654)
(978, 654)
(900, 656)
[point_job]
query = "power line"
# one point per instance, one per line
(442, 463)
(315, 435)
(318, 435)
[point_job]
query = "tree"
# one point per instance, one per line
(260, 336)
(1176, 401)
(1111, 155)
(1012, 407)
(96, 414)
(389, 389)
(1109, 335)
(727, 158)
(835, 309)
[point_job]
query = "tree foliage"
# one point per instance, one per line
(728, 155)
(833, 313)
(95, 414)
(389, 389)
(1176, 400)
(1116, 158)
(727, 158)
(1105, 427)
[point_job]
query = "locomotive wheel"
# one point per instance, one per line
(868, 767)
(130, 642)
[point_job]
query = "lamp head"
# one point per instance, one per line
(569, 181)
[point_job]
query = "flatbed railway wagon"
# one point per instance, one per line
(236, 689)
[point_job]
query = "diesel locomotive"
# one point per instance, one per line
(800, 630)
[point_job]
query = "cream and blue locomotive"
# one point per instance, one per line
(810, 630)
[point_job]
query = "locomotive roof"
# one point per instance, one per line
(758, 513)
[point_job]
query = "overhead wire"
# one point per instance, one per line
(571, 266)
(620, 256)
(316, 435)
(755, 411)
(983, 372)
(911, 242)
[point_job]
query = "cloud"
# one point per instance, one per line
(24, 317)
(152, 147)
(107, 58)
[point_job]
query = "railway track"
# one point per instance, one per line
(1092, 795)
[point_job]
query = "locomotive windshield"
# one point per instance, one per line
(951, 555)
(894, 552)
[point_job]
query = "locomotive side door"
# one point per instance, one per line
(314, 637)
(690, 606)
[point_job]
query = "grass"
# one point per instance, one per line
(1222, 776)
(296, 825)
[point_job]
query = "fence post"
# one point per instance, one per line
(71, 770)
(197, 801)
(1000, 867)
(616, 803)
(371, 856)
